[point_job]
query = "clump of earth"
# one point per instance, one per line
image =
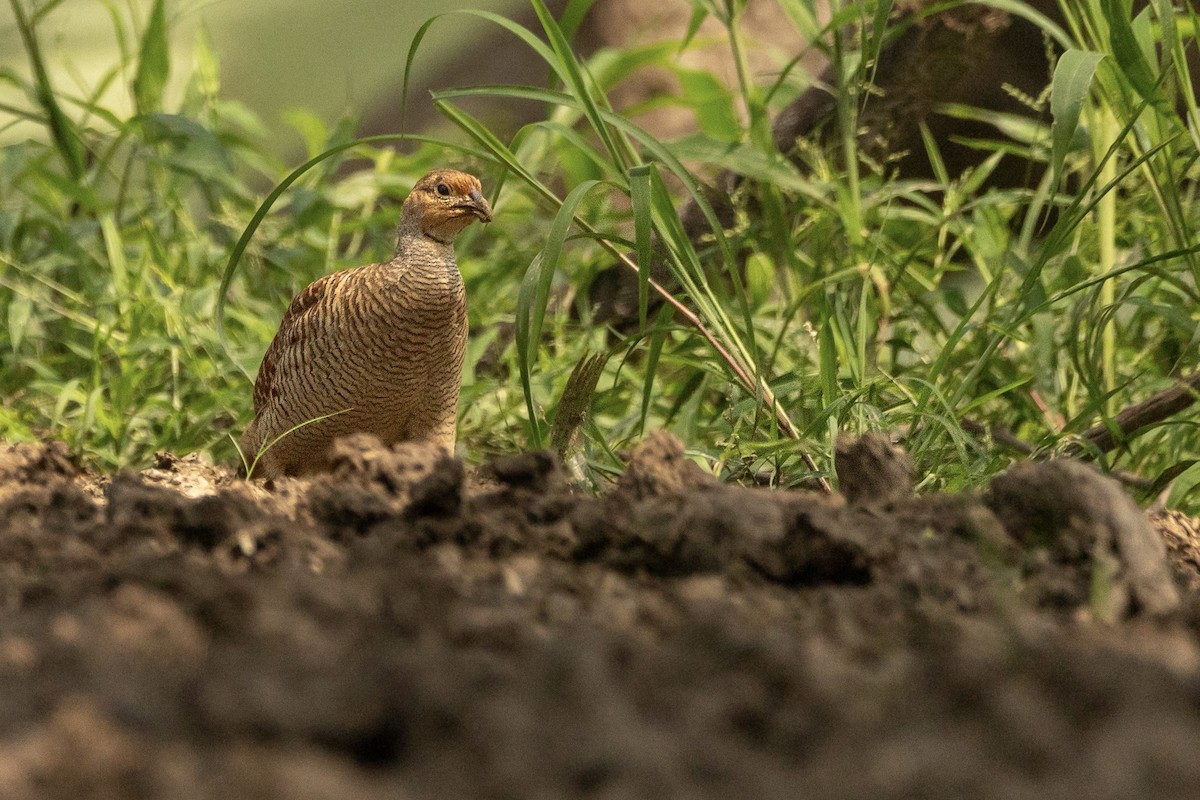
(404, 627)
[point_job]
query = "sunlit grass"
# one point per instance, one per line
(842, 299)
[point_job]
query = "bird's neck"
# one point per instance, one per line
(415, 246)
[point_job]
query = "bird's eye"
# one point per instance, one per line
(443, 190)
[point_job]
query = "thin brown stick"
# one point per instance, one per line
(1129, 421)
(1010, 441)
(1105, 437)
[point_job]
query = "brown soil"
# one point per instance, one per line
(399, 629)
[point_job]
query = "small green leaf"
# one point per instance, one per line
(20, 309)
(712, 103)
(312, 129)
(699, 14)
(1068, 90)
(207, 78)
(114, 248)
(154, 62)
(760, 277)
(827, 354)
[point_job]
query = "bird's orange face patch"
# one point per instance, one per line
(448, 201)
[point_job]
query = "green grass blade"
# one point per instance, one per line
(535, 295)
(555, 239)
(655, 148)
(1068, 91)
(658, 338)
(522, 33)
(639, 193)
(1025, 10)
(253, 464)
(154, 62)
(571, 73)
(1129, 56)
(526, 299)
(828, 365)
(62, 130)
(496, 148)
(573, 15)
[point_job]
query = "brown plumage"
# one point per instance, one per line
(379, 347)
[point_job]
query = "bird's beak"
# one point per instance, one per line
(478, 205)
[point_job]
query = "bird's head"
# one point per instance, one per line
(444, 202)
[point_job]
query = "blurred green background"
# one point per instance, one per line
(274, 55)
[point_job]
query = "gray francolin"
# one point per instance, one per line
(376, 349)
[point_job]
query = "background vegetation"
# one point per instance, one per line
(846, 301)
(360, 45)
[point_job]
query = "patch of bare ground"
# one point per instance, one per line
(402, 628)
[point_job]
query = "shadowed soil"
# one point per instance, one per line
(399, 629)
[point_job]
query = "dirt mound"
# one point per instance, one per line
(402, 628)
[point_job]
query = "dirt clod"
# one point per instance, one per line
(871, 469)
(1087, 521)
(401, 629)
(27, 462)
(658, 466)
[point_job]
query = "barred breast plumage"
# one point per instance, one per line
(375, 349)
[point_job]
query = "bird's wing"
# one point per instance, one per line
(296, 325)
